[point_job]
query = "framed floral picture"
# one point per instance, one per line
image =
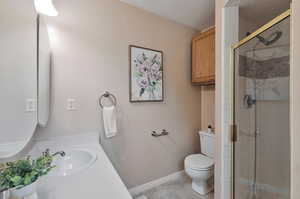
(146, 75)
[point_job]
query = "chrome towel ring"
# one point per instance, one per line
(108, 95)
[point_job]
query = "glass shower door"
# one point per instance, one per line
(262, 148)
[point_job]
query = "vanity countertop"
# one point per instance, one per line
(99, 181)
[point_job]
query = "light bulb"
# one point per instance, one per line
(45, 7)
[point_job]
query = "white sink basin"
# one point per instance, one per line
(74, 161)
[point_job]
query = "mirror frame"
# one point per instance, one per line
(43, 120)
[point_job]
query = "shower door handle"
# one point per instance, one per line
(249, 101)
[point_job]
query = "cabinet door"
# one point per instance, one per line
(203, 69)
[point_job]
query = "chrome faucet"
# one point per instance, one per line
(47, 153)
(61, 153)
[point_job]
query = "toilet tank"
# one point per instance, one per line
(207, 143)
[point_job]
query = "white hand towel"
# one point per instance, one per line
(110, 121)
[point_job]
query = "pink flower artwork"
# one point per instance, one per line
(146, 75)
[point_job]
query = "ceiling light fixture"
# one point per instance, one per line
(45, 7)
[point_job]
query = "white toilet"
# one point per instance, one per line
(200, 167)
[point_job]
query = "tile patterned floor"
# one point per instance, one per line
(179, 189)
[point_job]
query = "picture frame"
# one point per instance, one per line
(146, 75)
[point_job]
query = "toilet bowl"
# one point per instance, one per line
(200, 167)
(201, 170)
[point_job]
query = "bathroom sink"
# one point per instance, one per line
(74, 161)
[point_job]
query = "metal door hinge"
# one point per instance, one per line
(233, 130)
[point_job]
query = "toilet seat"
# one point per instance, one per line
(198, 162)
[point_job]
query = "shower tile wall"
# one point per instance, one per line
(273, 176)
(264, 69)
(273, 142)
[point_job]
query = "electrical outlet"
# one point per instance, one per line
(30, 105)
(71, 105)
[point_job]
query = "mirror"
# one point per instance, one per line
(44, 68)
(18, 75)
(25, 61)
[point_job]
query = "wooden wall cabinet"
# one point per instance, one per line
(203, 58)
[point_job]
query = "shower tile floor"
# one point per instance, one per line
(177, 189)
(244, 192)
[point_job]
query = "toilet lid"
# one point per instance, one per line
(198, 162)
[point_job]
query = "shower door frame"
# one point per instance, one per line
(233, 128)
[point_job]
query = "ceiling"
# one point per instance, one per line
(198, 14)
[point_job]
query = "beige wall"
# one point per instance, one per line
(90, 44)
(207, 106)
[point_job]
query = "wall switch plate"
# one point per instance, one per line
(30, 105)
(71, 105)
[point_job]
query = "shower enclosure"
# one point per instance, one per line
(261, 163)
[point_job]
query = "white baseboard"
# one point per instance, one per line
(141, 188)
